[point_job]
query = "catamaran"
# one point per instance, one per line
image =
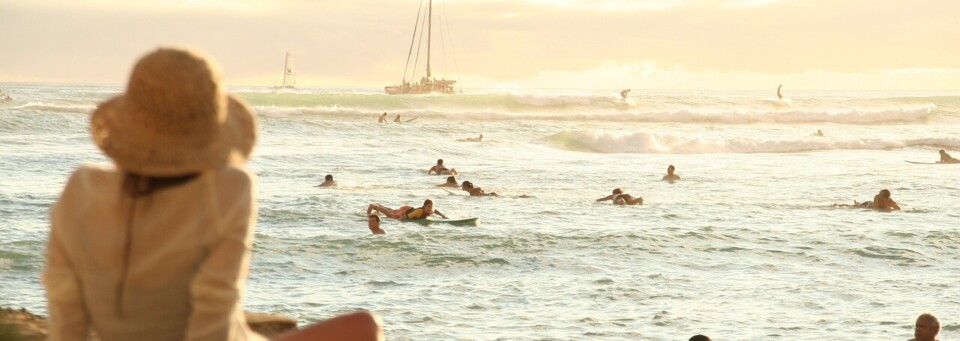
(289, 76)
(427, 84)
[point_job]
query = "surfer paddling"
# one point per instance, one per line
(476, 191)
(440, 169)
(406, 212)
(946, 158)
(451, 182)
(620, 198)
(327, 182)
(881, 201)
(623, 95)
(373, 222)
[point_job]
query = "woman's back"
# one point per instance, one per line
(169, 265)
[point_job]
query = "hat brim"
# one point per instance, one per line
(134, 149)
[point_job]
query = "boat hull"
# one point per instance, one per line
(422, 88)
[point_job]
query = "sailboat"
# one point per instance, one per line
(427, 84)
(289, 76)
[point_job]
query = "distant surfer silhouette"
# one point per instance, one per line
(383, 118)
(397, 120)
(778, 92)
(623, 95)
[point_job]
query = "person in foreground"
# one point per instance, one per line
(406, 212)
(451, 182)
(620, 198)
(926, 328)
(440, 169)
(881, 201)
(158, 246)
(476, 191)
(699, 337)
(670, 177)
(946, 158)
(328, 182)
(373, 222)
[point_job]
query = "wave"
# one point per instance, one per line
(56, 107)
(645, 143)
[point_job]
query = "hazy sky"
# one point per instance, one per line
(589, 44)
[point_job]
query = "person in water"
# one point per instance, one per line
(397, 119)
(440, 169)
(476, 191)
(157, 245)
(946, 158)
(451, 182)
(926, 328)
(779, 96)
(472, 139)
(328, 182)
(818, 133)
(699, 337)
(406, 212)
(623, 95)
(373, 222)
(383, 118)
(881, 201)
(670, 177)
(620, 198)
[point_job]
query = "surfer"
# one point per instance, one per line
(440, 169)
(373, 222)
(397, 120)
(881, 201)
(623, 95)
(620, 198)
(670, 177)
(383, 118)
(779, 96)
(472, 139)
(327, 182)
(406, 212)
(946, 158)
(451, 182)
(818, 133)
(476, 191)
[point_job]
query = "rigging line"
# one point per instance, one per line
(412, 39)
(446, 21)
(416, 60)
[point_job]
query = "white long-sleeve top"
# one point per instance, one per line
(168, 266)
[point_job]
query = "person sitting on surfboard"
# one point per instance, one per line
(476, 191)
(670, 177)
(383, 118)
(440, 169)
(620, 198)
(373, 222)
(881, 201)
(328, 182)
(451, 182)
(946, 158)
(406, 212)
(397, 120)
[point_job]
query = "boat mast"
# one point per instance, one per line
(429, 32)
(286, 70)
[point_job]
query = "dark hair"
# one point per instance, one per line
(439, 161)
(428, 201)
(699, 337)
(137, 185)
(467, 184)
(885, 193)
(328, 177)
(618, 190)
(671, 167)
(451, 179)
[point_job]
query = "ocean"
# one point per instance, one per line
(753, 243)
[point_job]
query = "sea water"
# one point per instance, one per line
(753, 243)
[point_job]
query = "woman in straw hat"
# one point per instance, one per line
(158, 247)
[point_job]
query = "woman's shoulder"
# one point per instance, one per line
(93, 175)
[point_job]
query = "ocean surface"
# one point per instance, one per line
(752, 244)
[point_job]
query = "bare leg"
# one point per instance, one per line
(379, 208)
(358, 326)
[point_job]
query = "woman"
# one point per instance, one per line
(158, 247)
(620, 198)
(406, 212)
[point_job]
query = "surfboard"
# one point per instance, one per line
(458, 222)
(412, 119)
(922, 163)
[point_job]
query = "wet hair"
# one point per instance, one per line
(467, 184)
(671, 168)
(374, 216)
(699, 337)
(136, 185)
(328, 177)
(933, 318)
(618, 190)
(885, 193)
(439, 161)
(452, 179)
(428, 202)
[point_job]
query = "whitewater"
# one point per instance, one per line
(753, 243)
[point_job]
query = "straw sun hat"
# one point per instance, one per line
(175, 118)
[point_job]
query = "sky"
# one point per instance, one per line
(510, 44)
